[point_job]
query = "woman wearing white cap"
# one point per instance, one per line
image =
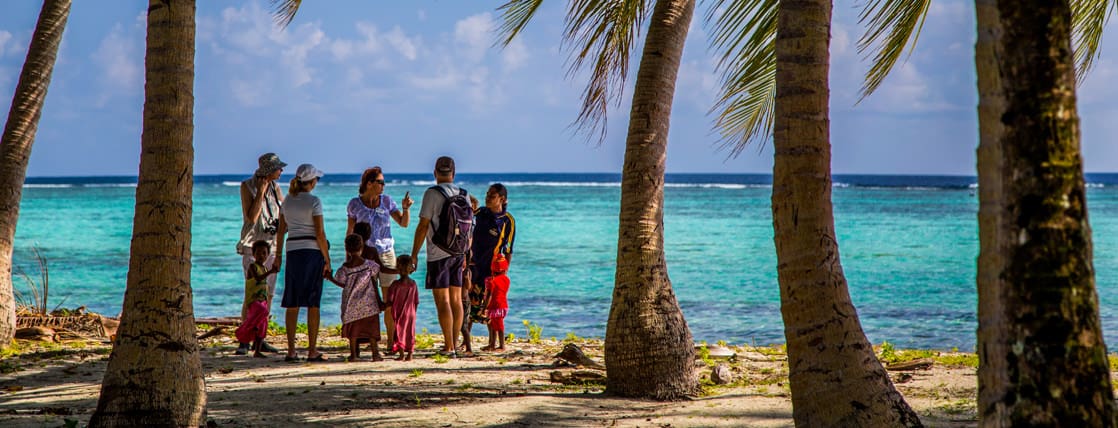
(308, 258)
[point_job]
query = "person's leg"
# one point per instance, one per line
(466, 324)
(271, 281)
(291, 321)
(312, 332)
(456, 273)
(501, 338)
(390, 327)
(353, 350)
(446, 317)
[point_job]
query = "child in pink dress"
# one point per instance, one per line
(403, 298)
(361, 302)
(496, 302)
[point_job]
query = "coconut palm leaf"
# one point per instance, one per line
(514, 16)
(1088, 18)
(284, 11)
(600, 36)
(744, 31)
(892, 27)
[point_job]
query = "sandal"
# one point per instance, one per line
(450, 354)
(291, 359)
(317, 358)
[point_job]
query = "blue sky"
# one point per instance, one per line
(351, 84)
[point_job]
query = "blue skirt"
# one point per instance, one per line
(302, 282)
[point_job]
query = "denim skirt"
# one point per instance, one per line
(302, 282)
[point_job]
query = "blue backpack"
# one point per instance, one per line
(456, 222)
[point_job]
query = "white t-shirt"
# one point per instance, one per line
(432, 205)
(299, 212)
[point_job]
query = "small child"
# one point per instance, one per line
(254, 326)
(496, 302)
(361, 302)
(403, 297)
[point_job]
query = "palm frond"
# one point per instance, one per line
(284, 11)
(514, 17)
(601, 36)
(744, 35)
(1088, 18)
(891, 26)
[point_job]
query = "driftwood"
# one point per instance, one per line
(580, 377)
(573, 354)
(234, 321)
(921, 364)
(44, 334)
(84, 325)
(213, 332)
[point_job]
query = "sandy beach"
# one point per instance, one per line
(50, 384)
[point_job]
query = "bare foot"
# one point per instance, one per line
(487, 348)
(400, 357)
(501, 349)
(408, 358)
(377, 357)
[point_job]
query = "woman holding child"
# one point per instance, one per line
(308, 258)
(377, 209)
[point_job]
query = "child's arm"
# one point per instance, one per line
(380, 302)
(338, 278)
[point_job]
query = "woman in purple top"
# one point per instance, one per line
(377, 209)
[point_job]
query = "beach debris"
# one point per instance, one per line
(721, 375)
(76, 322)
(213, 332)
(578, 377)
(920, 364)
(574, 354)
(233, 321)
(43, 334)
(716, 351)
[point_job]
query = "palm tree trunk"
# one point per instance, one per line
(649, 350)
(154, 376)
(15, 145)
(835, 377)
(1042, 360)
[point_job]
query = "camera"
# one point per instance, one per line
(271, 226)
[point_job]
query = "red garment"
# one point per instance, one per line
(255, 324)
(404, 296)
(498, 287)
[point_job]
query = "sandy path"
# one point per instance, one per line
(510, 389)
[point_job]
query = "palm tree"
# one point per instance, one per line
(1042, 360)
(827, 349)
(19, 136)
(649, 350)
(154, 375)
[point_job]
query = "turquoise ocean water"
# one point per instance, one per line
(908, 246)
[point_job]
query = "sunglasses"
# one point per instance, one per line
(377, 181)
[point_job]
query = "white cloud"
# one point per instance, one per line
(5, 37)
(474, 35)
(514, 55)
(407, 47)
(120, 60)
(295, 57)
(249, 93)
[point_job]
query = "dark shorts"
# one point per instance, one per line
(302, 279)
(445, 273)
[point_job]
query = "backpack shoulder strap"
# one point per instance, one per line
(442, 191)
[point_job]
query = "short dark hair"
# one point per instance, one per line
(363, 229)
(260, 244)
(403, 261)
(500, 189)
(353, 242)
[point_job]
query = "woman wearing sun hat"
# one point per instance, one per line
(260, 209)
(308, 257)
